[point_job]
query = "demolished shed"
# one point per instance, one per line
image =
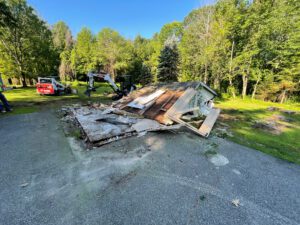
(174, 103)
(151, 108)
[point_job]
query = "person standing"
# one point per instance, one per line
(3, 99)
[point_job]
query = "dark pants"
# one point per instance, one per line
(5, 102)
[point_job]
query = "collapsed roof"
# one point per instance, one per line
(151, 108)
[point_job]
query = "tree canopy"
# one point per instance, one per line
(26, 47)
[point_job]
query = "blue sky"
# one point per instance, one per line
(130, 17)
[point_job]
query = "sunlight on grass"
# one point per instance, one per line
(22, 96)
(254, 104)
(285, 145)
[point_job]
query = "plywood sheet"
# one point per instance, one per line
(99, 130)
(209, 121)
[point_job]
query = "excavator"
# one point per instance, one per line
(126, 85)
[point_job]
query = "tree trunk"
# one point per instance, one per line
(232, 88)
(283, 95)
(254, 89)
(245, 80)
(24, 84)
(206, 44)
(205, 74)
(216, 83)
(113, 74)
(245, 84)
(230, 72)
(111, 70)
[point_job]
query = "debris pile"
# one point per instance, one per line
(152, 108)
(186, 103)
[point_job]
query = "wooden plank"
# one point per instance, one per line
(176, 96)
(147, 106)
(182, 103)
(209, 121)
(161, 116)
(159, 102)
(140, 102)
(166, 102)
(190, 127)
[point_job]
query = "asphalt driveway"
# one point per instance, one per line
(161, 178)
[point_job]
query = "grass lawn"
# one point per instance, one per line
(241, 115)
(26, 100)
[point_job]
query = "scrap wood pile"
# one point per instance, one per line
(152, 108)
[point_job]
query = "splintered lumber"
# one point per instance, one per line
(209, 121)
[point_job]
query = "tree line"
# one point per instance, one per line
(238, 47)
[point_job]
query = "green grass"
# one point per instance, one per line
(242, 114)
(22, 96)
(26, 100)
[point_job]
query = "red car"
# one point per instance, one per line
(49, 86)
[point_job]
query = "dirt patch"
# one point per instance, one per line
(274, 124)
(228, 117)
(277, 117)
(271, 108)
(269, 126)
(288, 112)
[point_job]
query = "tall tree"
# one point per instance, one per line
(113, 51)
(63, 42)
(167, 70)
(27, 45)
(62, 36)
(195, 45)
(82, 55)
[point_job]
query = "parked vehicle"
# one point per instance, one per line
(125, 81)
(49, 86)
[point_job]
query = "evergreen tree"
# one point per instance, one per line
(168, 64)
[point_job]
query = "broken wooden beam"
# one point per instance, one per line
(209, 121)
